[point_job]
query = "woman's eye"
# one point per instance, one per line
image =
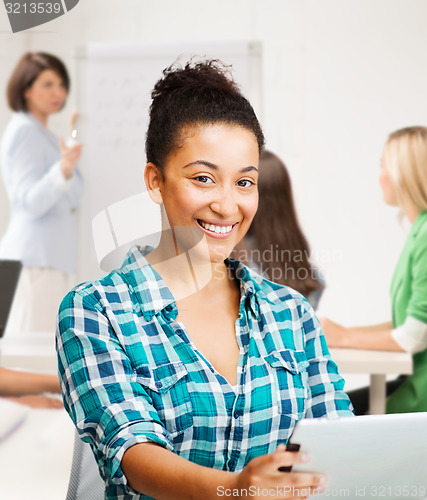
(245, 183)
(203, 178)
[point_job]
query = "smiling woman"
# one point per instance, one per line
(184, 369)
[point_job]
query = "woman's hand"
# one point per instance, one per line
(261, 477)
(38, 401)
(73, 122)
(336, 335)
(70, 155)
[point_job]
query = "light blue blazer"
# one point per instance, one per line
(42, 230)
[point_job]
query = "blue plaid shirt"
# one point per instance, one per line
(130, 373)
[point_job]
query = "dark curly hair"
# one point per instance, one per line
(198, 93)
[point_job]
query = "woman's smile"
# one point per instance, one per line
(216, 229)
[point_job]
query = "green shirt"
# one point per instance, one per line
(409, 298)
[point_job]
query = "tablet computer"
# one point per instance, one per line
(373, 456)
(9, 277)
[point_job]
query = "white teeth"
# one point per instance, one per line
(216, 229)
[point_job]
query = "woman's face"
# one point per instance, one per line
(210, 183)
(389, 193)
(46, 95)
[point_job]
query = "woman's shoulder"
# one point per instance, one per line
(92, 292)
(282, 294)
(421, 223)
(418, 234)
(274, 293)
(20, 127)
(22, 120)
(114, 288)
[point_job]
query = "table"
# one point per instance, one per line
(35, 459)
(377, 364)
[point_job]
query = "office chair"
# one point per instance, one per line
(85, 481)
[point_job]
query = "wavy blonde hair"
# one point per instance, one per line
(405, 156)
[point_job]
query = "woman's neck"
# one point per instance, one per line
(187, 272)
(41, 117)
(411, 212)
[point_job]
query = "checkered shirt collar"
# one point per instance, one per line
(154, 296)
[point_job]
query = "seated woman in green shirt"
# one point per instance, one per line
(403, 180)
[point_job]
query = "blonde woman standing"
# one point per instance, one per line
(403, 180)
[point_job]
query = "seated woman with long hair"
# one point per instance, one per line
(275, 244)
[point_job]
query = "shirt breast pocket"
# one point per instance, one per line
(290, 373)
(167, 386)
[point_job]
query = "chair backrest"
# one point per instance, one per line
(10, 271)
(85, 481)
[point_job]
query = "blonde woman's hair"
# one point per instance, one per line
(405, 158)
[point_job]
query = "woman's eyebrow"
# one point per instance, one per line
(248, 169)
(215, 167)
(202, 162)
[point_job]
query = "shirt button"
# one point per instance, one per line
(159, 385)
(169, 307)
(179, 331)
(237, 413)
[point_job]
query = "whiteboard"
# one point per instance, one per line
(114, 86)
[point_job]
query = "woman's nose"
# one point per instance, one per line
(224, 203)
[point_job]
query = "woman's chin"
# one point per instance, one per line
(218, 256)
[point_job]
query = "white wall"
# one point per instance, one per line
(337, 77)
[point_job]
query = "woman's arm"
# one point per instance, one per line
(38, 401)
(28, 388)
(157, 472)
(375, 337)
(29, 183)
(76, 189)
(16, 383)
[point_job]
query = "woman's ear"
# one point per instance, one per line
(153, 177)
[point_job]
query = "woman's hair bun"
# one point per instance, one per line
(199, 92)
(210, 74)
